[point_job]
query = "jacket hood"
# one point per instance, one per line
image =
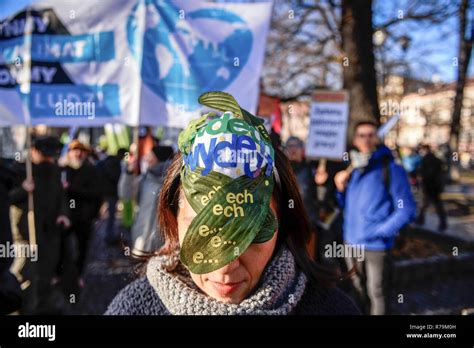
(381, 152)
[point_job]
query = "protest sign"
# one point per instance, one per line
(328, 125)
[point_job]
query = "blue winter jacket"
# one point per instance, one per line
(374, 212)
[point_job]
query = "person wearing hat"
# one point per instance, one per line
(145, 190)
(51, 211)
(81, 184)
(233, 245)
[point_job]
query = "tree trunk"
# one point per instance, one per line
(358, 61)
(464, 55)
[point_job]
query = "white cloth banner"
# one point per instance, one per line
(129, 61)
(328, 125)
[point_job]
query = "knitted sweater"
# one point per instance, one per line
(283, 290)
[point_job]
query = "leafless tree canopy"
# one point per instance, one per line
(304, 49)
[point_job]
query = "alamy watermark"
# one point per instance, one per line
(28, 330)
(390, 107)
(237, 156)
(16, 250)
(355, 251)
(68, 108)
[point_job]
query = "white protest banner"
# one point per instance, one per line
(130, 61)
(328, 125)
(191, 47)
(79, 72)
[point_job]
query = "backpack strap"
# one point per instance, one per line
(386, 173)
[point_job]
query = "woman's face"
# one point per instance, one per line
(233, 282)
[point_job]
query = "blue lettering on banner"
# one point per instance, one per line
(246, 142)
(43, 99)
(269, 169)
(99, 47)
(193, 157)
(213, 155)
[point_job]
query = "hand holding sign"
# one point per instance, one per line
(341, 179)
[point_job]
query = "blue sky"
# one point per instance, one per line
(442, 42)
(8, 7)
(432, 47)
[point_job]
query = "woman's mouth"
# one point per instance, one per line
(226, 288)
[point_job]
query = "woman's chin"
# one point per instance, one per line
(231, 294)
(227, 299)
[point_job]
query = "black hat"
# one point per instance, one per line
(163, 153)
(296, 141)
(48, 146)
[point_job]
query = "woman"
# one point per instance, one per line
(234, 228)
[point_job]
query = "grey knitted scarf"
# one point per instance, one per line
(279, 291)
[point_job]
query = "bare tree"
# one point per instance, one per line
(302, 48)
(359, 63)
(465, 50)
(311, 41)
(395, 52)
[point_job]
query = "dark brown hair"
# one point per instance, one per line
(365, 123)
(293, 221)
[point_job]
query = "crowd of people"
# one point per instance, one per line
(362, 202)
(68, 192)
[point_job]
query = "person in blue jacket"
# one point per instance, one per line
(377, 203)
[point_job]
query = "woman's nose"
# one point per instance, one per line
(230, 267)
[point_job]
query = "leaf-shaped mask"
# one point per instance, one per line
(227, 179)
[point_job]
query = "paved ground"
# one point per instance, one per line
(450, 296)
(459, 202)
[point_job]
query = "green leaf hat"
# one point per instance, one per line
(227, 178)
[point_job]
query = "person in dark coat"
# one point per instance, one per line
(109, 171)
(7, 180)
(50, 210)
(81, 184)
(432, 177)
(294, 150)
(330, 217)
(10, 292)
